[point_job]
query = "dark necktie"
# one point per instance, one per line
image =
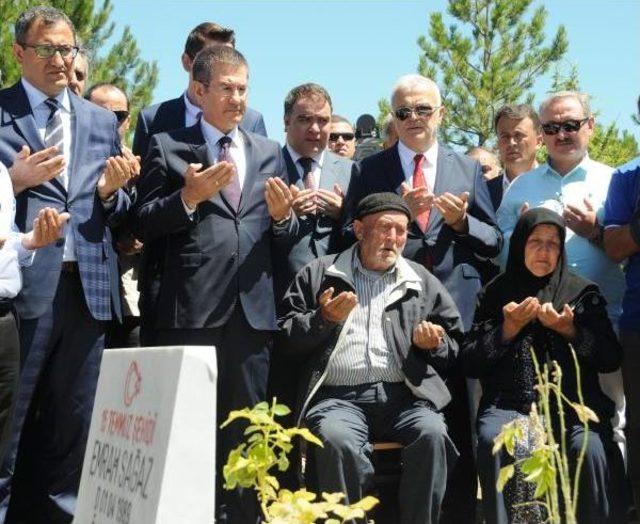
(53, 135)
(232, 191)
(419, 181)
(307, 172)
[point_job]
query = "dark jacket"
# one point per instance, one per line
(506, 369)
(418, 296)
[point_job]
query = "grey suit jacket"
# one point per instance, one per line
(313, 236)
(94, 139)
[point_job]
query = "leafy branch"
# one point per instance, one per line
(267, 446)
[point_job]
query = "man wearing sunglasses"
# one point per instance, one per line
(452, 233)
(342, 137)
(63, 152)
(575, 186)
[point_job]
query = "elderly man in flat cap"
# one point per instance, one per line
(377, 332)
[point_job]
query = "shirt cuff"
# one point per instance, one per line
(25, 256)
(110, 202)
(187, 209)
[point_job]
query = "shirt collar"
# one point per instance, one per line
(407, 154)
(212, 134)
(191, 108)
(581, 168)
(295, 156)
(37, 97)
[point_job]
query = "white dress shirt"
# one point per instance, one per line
(428, 167)
(12, 253)
(41, 113)
(317, 163)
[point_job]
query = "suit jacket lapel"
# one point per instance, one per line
(26, 123)
(251, 171)
(394, 166)
(80, 124)
(443, 171)
(292, 170)
(328, 174)
(203, 156)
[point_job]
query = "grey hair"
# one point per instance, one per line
(207, 59)
(49, 16)
(337, 119)
(582, 98)
(412, 81)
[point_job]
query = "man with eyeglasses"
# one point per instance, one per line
(63, 152)
(517, 127)
(575, 186)
(452, 234)
(342, 137)
(210, 192)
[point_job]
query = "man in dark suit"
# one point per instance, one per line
(453, 233)
(202, 192)
(64, 153)
(519, 139)
(183, 111)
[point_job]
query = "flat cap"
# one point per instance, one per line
(378, 202)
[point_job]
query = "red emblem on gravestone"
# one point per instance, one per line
(132, 383)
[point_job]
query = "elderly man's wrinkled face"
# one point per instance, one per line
(381, 238)
(542, 250)
(420, 115)
(566, 131)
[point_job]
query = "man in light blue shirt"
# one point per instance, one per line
(574, 186)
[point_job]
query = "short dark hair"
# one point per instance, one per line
(105, 85)
(204, 32)
(309, 89)
(517, 112)
(205, 60)
(47, 14)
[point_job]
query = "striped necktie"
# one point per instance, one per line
(53, 135)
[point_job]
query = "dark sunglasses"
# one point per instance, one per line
(568, 126)
(402, 113)
(121, 116)
(47, 50)
(333, 137)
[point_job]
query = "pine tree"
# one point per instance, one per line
(492, 56)
(120, 65)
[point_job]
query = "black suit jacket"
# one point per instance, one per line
(459, 261)
(218, 256)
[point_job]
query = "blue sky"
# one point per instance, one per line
(357, 49)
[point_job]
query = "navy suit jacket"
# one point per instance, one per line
(95, 138)
(217, 256)
(317, 235)
(170, 114)
(457, 260)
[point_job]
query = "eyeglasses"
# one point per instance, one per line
(347, 137)
(47, 50)
(568, 126)
(121, 116)
(402, 113)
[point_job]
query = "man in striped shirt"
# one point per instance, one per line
(377, 332)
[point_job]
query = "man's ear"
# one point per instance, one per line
(286, 123)
(186, 62)
(357, 229)
(18, 52)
